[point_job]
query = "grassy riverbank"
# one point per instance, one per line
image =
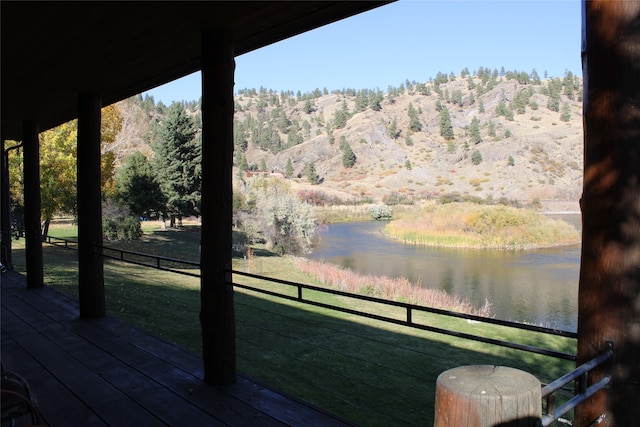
(370, 372)
(469, 225)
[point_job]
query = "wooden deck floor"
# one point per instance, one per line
(106, 373)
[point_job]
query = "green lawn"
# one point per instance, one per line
(370, 372)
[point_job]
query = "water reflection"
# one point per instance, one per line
(534, 286)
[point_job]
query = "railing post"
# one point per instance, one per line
(486, 395)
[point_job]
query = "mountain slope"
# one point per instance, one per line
(534, 156)
(527, 146)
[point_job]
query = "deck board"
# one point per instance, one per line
(104, 372)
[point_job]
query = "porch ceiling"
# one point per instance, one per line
(53, 50)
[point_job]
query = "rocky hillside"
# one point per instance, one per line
(513, 137)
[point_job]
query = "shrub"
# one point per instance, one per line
(380, 212)
(122, 228)
(476, 157)
(395, 198)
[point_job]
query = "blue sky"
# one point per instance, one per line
(411, 39)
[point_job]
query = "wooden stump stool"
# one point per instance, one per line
(486, 395)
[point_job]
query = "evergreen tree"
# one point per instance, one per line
(288, 171)
(263, 164)
(446, 128)
(308, 107)
(476, 157)
(414, 121)
(568, 86)
(407, 164)
(535, 78)
(474, 131)
(348, 156)
(341, 116)
(471, 85)
(554, 89)
(243, 165)
(177, 163)
(375, 100)
(566, 112)
(312, 175)
(492, 129)
(553, 102)
(137, 188)
(239, 136)
(362, 100)
(393, 129)
(332, 138)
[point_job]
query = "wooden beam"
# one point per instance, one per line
(5, 210)
(32, 206)
(609, 296)
(90, 267)
(217, 314)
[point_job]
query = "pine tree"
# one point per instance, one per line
(312, 175)
(348, 156)
(492, 129)
(446, 128)
(393, 129)
(137, 187)
(476, 157)
(566, 112)
(362, 100)
(341, 116)
(177, 162)
(242, 163)
(375, 100)
(308, 107)
(288, 171)
(474, 131)
(414, 121)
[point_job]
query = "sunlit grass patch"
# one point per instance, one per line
(468, 225)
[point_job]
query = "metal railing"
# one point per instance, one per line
(583, 391)
(61, 243)
(153, 261)
(409, 319)
(168, 264)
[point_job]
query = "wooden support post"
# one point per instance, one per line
(609, 296)
(485, 395)
(32, 206)
(5, 211)
(90, 267)
(217, 314)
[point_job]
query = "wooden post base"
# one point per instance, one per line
(486, 395)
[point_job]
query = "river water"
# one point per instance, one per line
(537, 286)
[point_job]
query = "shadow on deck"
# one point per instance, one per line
(105, 372)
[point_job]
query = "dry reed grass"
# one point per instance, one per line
(388, 288)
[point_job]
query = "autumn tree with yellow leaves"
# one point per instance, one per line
(58, 166)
